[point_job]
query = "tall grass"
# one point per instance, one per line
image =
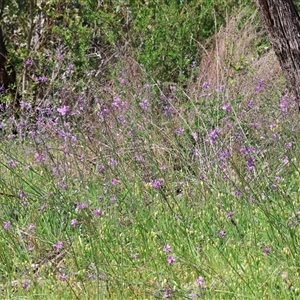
(144, 191)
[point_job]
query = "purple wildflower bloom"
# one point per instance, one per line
(6, 225)
(144, 104)
(81, 206)
(62, 276)
(39, 157)
(200, 281)
(205, 86)
(167, 295)
(250, 103)
(238, 193)
(250, 163)
(288, 145)
(12, 163)
(28, 62)
(25, 285)
(222, 234)
(213, 135)
(97, 212)
(171, 259)
(261, 85)
(163, 167)
(284, 105)
(63, 110)
(226, 107)
(230, 214)
(59, 56)
(267, 250)
(157, 183)
(115, 181)
(22, 194)
(179, 130)
(43, 79)
(74, 222)
(195, 136)
(59, 245)
(31, 227)
(273, 186)
(167, 248)
(192, 295)
(286, 160)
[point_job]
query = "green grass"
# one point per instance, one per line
(119, 252)
(182, 198)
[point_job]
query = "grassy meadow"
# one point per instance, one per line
(137, 189)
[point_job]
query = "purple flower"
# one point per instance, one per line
(22, 194)
(113, 162)
(28, 62)
(213, 135)
(62, 276)
(144, 104)
(167, 295)
(63, 110)
(6, 225)
(171, 259)
(278, 179)
(205, 86)
(12, 163)
(288, 145)
(157, 183)
(286, 160)
(283, 106)
(226, 107)
(122, 80)
(117, 103)
(81, 206)
(179, 130)
(238, 193)
(195, 136)
(59, 56)
(167, 248)
(74, 222)
(42, 79)
(230, 214)
(97, 212)
(115, 181)
(221, 88)
(31, 227)
(250, 163)
(59, 245)
(162, 167)
(200, 281)
(250, 103)
(222, 234)
(25, 285)
(39, 157)
(167, 110)
(261, 85)
(267, 250)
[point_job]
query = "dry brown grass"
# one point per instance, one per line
(234, 59)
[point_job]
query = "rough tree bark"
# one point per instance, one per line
(8, 77)
(282, 23)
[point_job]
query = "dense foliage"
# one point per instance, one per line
(144, 163)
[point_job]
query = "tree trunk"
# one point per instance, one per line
(282, 22)
(8, 77)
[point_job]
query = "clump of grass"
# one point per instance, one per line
(151, 192)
